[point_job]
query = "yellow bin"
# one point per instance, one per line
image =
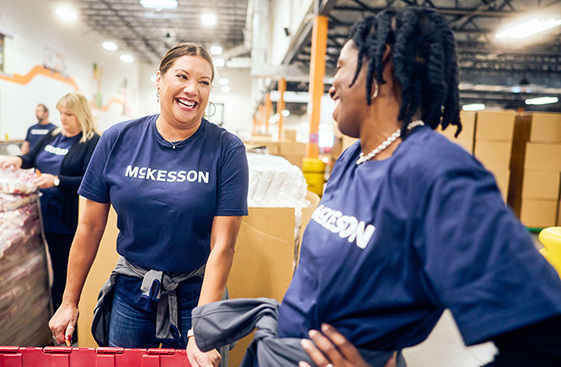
(551, 239)
(314, 173)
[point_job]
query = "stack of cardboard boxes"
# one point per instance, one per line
(287, 147)
(534, 185)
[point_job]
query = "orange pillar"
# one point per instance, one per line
(317, 73)
(268, 105)
(280, 104)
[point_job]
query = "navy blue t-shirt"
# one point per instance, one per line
(165, 198)
(36, 132)
(49, 161)
(395, 242)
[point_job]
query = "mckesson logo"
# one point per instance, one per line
(346, 226)
(54, 150)
(148, 173)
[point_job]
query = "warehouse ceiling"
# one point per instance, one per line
(494, 73)
(149, 33)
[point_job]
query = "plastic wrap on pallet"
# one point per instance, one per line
(275, 182)
(24, 289)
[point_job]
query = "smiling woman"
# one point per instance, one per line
(179, 186)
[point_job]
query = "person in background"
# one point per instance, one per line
(179, 186)
(61, 157)
(410, 223)
(37, 131)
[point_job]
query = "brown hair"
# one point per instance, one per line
(185, 49)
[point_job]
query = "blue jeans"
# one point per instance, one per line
(133, 327)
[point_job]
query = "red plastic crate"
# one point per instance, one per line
(91, 357)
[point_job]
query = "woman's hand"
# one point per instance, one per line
(332, 349)
(45, 181)
(12, 163)
(200, 359)
(63, 323)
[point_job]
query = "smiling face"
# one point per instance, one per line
(350, 102)
(184, 90)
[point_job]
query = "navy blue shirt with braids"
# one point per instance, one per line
(166, 199)
(395, 242)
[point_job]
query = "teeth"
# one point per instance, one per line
(187, 104)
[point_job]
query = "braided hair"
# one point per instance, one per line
(424, 58)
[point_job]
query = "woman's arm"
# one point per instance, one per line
(222, 243)
(82, 254)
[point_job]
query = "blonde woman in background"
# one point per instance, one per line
(61, 158)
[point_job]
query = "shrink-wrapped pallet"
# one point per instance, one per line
(24, 286)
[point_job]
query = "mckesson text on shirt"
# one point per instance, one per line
(346, 226)
(166, 176)
(54, 150)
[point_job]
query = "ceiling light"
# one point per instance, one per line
(127, 58)
(223, 81)
(225, 89)
(528, 28)
(159, 4)
(219, 62)
(208, 19)
(110, 46)
(473, 107)
(216, 50)
(542, 100)
(153, 78)
(66, 13)
(285, 113)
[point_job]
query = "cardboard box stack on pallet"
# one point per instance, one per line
(535, 181)
(494, 134)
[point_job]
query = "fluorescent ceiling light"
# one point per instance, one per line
(542, 100)
(66, 13)
(285, 113)
(153, 78)
(216, 50)
(225, 89)
(208, 19)
(528, 28)
(159, 4)
(127, 58)
(110, 46)
(473, 107)
(223, 81)
(219, 62)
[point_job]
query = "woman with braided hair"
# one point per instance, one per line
(410, 224)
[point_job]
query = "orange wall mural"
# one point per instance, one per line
(41, 70)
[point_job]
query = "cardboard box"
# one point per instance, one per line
(495, 125)
(272, 147)
(493, 153)
(541, 184)
(546, 128)
(539, 213)
(102, 267)
(293, 151)
(502, 176)
(289, 135)
(266, 251)
(545, 157)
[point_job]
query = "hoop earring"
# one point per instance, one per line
(376, 89)
(213, 112)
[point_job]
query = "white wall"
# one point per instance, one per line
(32, 27)
(238, 111)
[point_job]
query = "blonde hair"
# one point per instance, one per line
(79, 106)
